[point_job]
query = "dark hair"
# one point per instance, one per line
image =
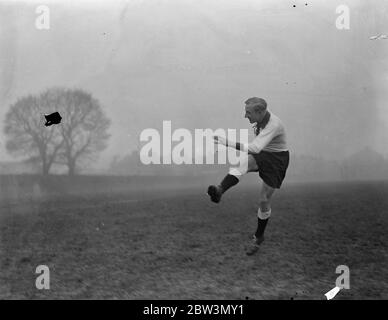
(257, 102)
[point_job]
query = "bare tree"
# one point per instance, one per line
(83, 129)
(26, 134)
(77, 139)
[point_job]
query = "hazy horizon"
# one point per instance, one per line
(196, 62)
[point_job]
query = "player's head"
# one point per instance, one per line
(255, 109)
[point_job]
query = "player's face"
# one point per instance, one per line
(253, 115)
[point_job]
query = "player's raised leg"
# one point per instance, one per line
(263, 214)
(247, 164)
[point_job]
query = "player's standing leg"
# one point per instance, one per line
(263, 214)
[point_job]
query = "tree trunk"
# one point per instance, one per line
(71, 166)
(45, 168)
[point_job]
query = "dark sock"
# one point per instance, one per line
(229, 181)
(261, 224)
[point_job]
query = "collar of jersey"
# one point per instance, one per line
(261, 125)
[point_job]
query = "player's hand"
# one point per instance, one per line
(220, 140)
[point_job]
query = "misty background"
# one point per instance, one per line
(195, 62)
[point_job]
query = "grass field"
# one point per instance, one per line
(172, 243)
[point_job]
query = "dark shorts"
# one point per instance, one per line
(272, 166)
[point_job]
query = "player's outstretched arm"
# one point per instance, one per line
(230, 143)
(255, 147)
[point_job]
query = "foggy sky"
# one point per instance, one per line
(196, 62)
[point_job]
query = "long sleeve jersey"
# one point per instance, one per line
(271, 138)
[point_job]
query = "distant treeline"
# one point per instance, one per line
(366, 164)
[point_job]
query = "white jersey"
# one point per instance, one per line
(272, 137)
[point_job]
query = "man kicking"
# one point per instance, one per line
(267, 154)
